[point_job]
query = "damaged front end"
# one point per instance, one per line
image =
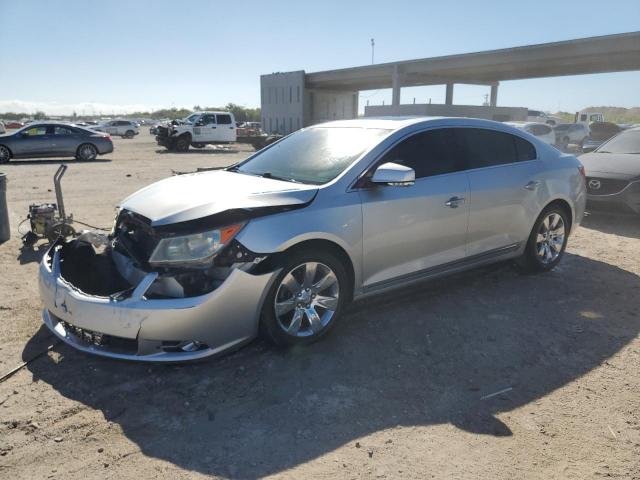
(156, 293)
(165, 136)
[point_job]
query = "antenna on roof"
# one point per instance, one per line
(373, 45)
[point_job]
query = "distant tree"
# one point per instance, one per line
(39, 115)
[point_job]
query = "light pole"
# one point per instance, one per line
(373, 44)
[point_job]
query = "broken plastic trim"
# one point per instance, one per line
(227, 217)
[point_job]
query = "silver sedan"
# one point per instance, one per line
(198, 264)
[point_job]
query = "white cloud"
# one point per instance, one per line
(82, 108)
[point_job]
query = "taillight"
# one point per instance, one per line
(107, 137)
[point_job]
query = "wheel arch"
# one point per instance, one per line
(11, 155)
(561, 203)
(276, 260)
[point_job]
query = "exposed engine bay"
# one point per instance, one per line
(112, 265)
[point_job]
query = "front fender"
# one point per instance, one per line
(336, 222)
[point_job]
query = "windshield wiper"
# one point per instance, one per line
(275, 177)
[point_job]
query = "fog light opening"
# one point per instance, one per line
(183, 346)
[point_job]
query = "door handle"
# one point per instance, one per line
(532, 185)
(454, 201)
(231, 128)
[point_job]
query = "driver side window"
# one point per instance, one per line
(207, 120)
(35, 131)
(429, 153)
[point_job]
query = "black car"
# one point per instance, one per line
(613, 174)
(41, 140)
(599, 132)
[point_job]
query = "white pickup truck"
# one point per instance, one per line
(198, 130)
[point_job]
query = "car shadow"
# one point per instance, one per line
(54, 161)
(438, 353)
(622, 225)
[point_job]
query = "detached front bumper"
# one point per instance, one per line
(129, 326)
(165, 141)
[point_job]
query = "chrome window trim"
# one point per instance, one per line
(352, 186)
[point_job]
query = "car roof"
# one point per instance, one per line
(41, 123)
(200, 113)
(400, 122)
(525, 124)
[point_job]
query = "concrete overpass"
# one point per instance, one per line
(610, 53)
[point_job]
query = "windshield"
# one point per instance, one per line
(316, 155)
(191, 118)
(626, 142)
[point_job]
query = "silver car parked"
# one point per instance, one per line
(198, 264)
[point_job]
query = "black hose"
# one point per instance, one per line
(92, 226)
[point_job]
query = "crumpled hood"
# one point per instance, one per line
(621, 164)
(188, 197)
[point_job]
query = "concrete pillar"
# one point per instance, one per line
(395, 86)
(494, 95)
(449, 94)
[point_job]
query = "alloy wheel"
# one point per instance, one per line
(5, 154)
(550, 238)
(87, 152)
(307, 299)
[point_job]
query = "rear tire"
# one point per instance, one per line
(309, 293)
(87, 152)
(129, 134)
(547, 241)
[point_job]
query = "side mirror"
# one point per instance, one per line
(394, 174)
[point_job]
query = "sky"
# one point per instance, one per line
(120, 56)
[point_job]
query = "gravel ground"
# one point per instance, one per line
(405, 387)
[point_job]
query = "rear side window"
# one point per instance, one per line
(524, 150)
(540, 129)
(63, 131)
(224, 119)
(486, 148)
(430, 153)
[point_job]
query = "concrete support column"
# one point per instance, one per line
(494, 94)
(395, 86)
(449, 94)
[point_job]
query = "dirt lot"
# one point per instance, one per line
(401, 389)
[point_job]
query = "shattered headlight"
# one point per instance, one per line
(195, 248)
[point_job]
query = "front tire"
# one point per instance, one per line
(87, 152)
(182, 144)
(306, 300)
(129, 134)
(547, 241)
(5, 154)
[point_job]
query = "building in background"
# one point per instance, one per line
(292, 100)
